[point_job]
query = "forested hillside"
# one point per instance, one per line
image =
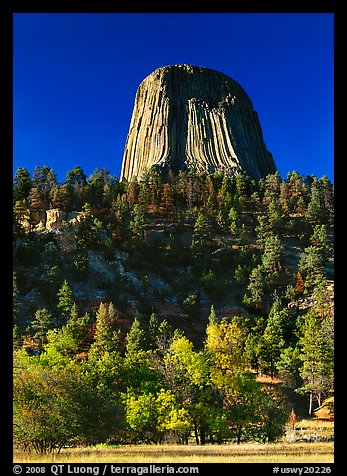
(191, 308)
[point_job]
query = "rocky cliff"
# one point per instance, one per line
(189, 117)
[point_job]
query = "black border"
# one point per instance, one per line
(7, 10)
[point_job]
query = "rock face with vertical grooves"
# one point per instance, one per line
(188, 117)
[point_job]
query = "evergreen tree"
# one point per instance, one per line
(275, 216)
(66, 300)
(22, 185)
(321, 241)
(17, 338)
(272, 342)
(79, 327)
(310, 266)
(256, 287)
(314, 208)
(137, 222)
(105, 339)
(212, 318)
(252, 351)
(272, 254)
(135, 338)
(76, 176)
(288, 366)
(201, 239)
(317, 350)
(43, 322)
(153, 330)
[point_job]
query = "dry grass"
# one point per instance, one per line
(314, 428)
(228, 453)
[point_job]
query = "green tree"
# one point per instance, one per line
(242, 395)
(272, 344)
(173, 418)
(252, 351)
(21, 218)
(317, 355)
(79, 327)
(275, 216)
(272, 254)
(256, 287)
(201, 239)
(273, 416)
(137, 221)
(296, 199)
(321, 241)
(141, 416)
(66, 300)
(43, 322)
(320, 208)
(17, 337)
(311, 267)
(288, 366)
(135, 338)
(213, 318)
(225, 345)
(60, 406)
(187, 376)
(22, 185)
(153, 330)
(241, 274)
(76, 176)
(105, 339)
(44, 179)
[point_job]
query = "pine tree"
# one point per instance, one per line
(317, 349)
(22, 185)
(105, 339)
(272, 340)
(256, 286)
(201, 238)
(66, 300)
(138, 220)
(212, 318)
(153, 329)
(76, 176)
(321, 241)
(17, 338)
(43, 322)
(135, 338)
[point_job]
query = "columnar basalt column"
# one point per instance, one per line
(188, 117)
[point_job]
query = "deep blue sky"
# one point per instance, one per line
(76, 76)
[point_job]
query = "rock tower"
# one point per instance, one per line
(188, 117)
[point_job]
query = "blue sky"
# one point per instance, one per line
(76, 76)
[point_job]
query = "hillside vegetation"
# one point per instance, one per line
(187, 308)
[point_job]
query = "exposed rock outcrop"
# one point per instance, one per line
(57, 218)
(52, 220)
(189, 117)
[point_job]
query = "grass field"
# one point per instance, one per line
(243, 453)
(297, 447)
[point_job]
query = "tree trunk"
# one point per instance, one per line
(202, 435)
(196, 433)
(239, 432)
(310, 404)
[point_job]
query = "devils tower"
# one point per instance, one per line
(188, 117)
